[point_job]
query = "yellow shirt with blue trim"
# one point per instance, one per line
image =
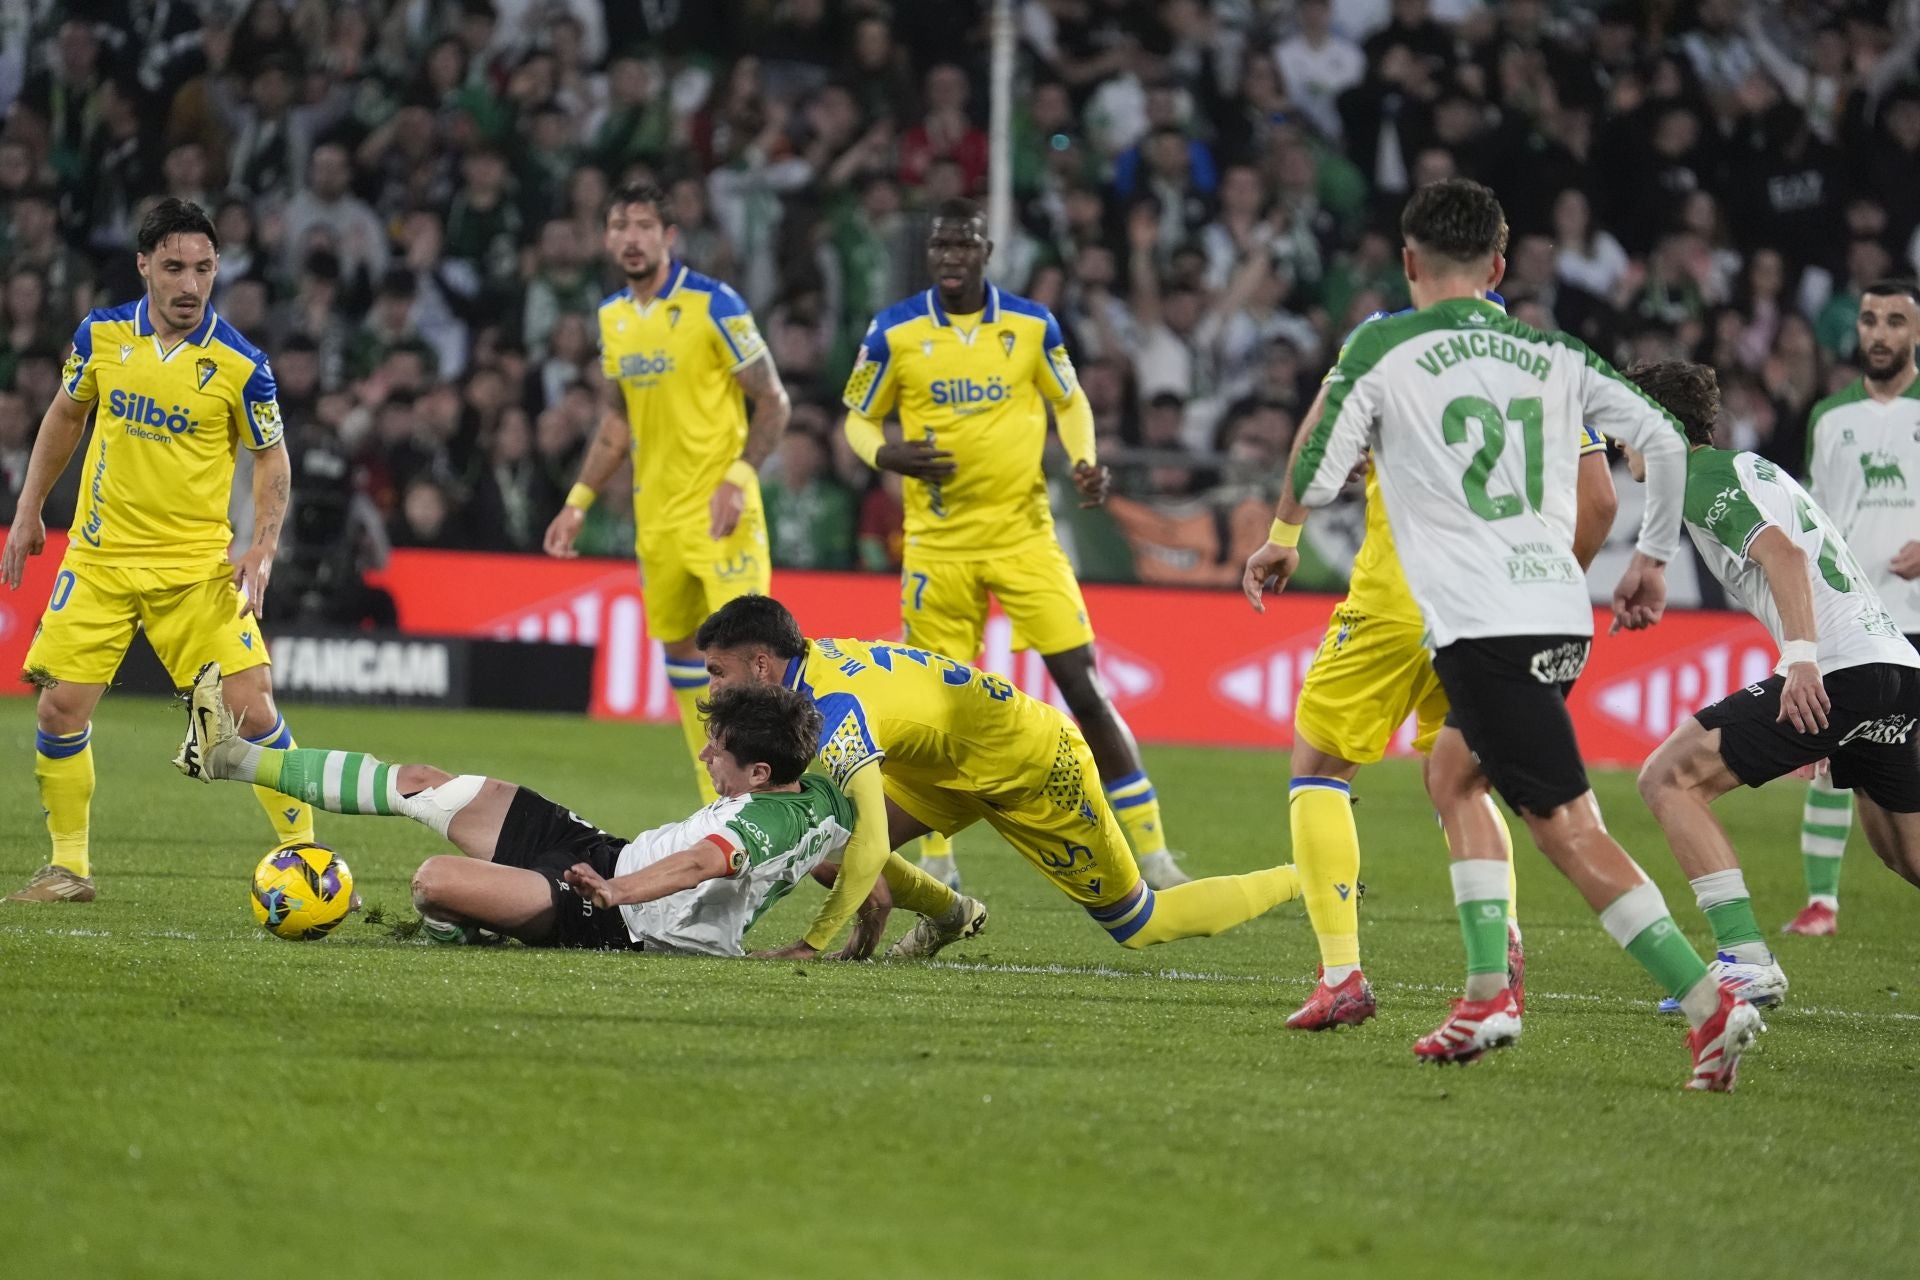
(1378, 586)
(976, 386)
(159, 473)
(673, 358)
(934, 721)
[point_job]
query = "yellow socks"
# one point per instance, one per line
(292, 819)
(689, 683)
(63, 765)
(1133, 802)
(914, 890)
(1326, 848)
(1197, 909)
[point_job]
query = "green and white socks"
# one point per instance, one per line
(337, 781)
(1722, 895)
(1480, 896)
(1639, 921)
(1825, 821)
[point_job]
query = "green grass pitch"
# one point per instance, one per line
(182, 1095)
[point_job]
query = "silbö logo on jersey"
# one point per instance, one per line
(968, 393)
(139, 411)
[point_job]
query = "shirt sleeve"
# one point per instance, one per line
(76, 376)
(1717, 501)
(871, 386)
(1614, 407)
(1055, 376)
(1339, 439)
(846, 745)
(1591, 441)
(738, 844)
(739, 338)
(260, 408)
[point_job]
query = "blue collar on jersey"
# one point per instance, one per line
(939, 314)
(796, 668)
(143, 325)
(676, 275)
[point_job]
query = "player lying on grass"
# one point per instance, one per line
(922, 743)
(1847, 688)
(536, 871)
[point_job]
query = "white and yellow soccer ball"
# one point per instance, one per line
(301, 891)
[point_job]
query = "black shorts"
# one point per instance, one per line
(539, 835)
(1509, 696)
(1872, 734)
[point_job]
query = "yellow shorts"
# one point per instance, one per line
(943, 603)
(685, 575)
(1061, 823)
(1369, 675)
(191, 617)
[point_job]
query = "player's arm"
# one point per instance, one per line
(771, 409)
(1803, 699)
(869, 394)
(1595, 502)
(60, 430)
(606, 453)
(860, 864)
(272, 489)
(1273, 564)
(711, 859)
(1616, 408)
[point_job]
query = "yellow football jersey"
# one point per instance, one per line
(674, 357)
(159, 473)
(933, 720)
(974, 386)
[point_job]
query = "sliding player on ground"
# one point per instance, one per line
(536, 871)
(1473, 420)
(681, 355)
(1847, 688)
(1372, 673)
(176, 388)
(971, 369)
(1863, 466)
(920, 742)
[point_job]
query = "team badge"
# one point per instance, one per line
(126, 350)
(926, 347)
(205, 368)
(1006, 341)
(1476, 317)
(673, 315)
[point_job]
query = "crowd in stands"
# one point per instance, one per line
(409, 198)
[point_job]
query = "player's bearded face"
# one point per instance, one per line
(179, 275)
(729, 667)
(638, 240)
(1887, 331)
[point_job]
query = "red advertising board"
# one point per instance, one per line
(1184, 665)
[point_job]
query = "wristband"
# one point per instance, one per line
(581, 496)
(1285, 535)
(1799, 651)
(740, 472)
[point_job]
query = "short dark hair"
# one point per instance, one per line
(1688, 391)
(765, 724)
(1455, 218)
(640, 193)
(959, 209)
(1893, 289)
(746, 622)
(175, 217)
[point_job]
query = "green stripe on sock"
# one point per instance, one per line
(1825, 832)
(381, 790)
(1483, 927)
(1829, 799)
(1733, 923)
(350, 782)
(1663, 951)
(1823, 875)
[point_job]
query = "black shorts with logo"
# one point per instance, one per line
(539, 835)
(1509, 696)
(1872, 734)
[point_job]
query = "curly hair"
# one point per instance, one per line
(1688, 391)
(765, 724)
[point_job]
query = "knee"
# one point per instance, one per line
(430, 882)
(60, 716)
(415, 778)
(1658, 782)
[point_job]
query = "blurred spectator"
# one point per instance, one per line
(514, 501)
(16, 445)
(810, 517)
(1317, 65)
(426, 518)
(328, 214)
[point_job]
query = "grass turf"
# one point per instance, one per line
(182, 1095)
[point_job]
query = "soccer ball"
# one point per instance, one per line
(301, 891)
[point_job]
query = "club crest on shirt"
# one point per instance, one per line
(205, 369)
(126, 351)
(1006, 341)
(926, 347)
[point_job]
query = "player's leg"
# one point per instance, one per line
(1894, 837)
(1481, 864)
(457, 893)
(1826, 818)
(83, 634)
(1880, 765)
(946, 915)
(943, 609)
(675, 598)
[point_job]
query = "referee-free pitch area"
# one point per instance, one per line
(182, 1095)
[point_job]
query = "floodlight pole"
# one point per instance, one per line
(1000, 136)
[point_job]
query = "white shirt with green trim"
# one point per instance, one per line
(1731, 499)
(1475, 422)
(1863, 466)
(776, 838)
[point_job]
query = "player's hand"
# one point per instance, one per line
(561, 532)
(250, 574)
(1641, 596)
(1272, 565)
(724, 509)
(590, 885)
(1093, 482)
(798, 951)
(916, 458)
(1803, 699)
(1906, 562)
(28, 537)
(868, 925)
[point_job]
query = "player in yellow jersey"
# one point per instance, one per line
(971, 368)
(1372, 672)
(177, 389)
(681, 356)
(920, 742)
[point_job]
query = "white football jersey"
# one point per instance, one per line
(1731, 499)
(777, 838)
(1863, 467)
(1475, 423)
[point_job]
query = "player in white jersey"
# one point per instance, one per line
(1863, 467)
(536, 871)
(1474, 422)
(1847, 688)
